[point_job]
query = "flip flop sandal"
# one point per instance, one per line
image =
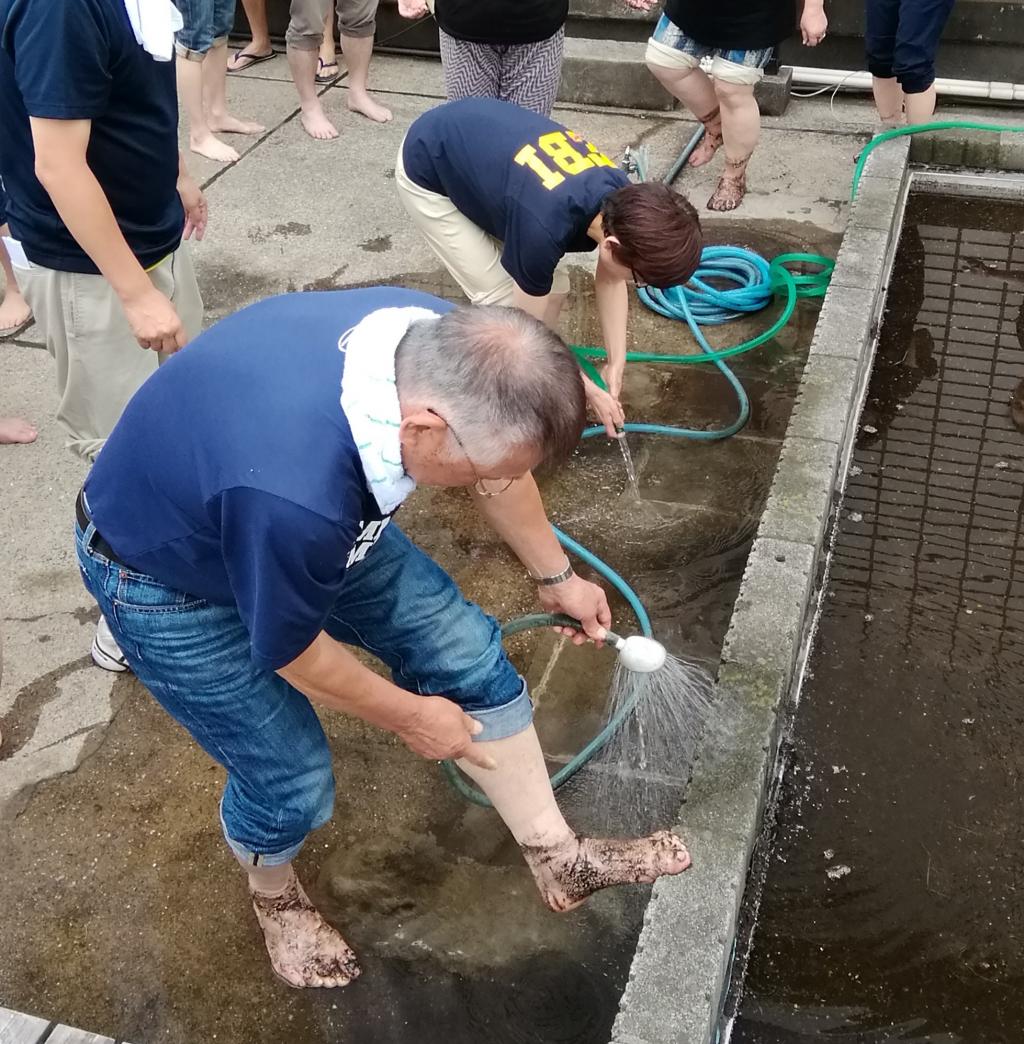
(324, 78)
(13, 331)
(250, 60)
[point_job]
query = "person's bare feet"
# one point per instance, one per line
(316, 124)
(569, 873)
(304, 949)
(228, 124)
(15, 431)
(212, 148)
(732, 187)
(14, 312)
(710, 143)
(362, 102)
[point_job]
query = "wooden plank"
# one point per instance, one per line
(67, 1035)
(16, 1028)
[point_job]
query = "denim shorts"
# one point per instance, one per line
(194, 657)
(901, 38)
(667, 33)
(207, 23)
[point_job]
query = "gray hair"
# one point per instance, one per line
(501, 378)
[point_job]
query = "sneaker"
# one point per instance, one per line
(106, 653)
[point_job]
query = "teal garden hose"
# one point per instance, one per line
(751, 285)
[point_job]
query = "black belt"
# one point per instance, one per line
(97, 543)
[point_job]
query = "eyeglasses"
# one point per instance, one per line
(480, 486)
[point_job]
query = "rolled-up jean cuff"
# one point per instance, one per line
(507, 720)
(188, 54)
(247, 857)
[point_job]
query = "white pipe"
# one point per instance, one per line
(805, 76)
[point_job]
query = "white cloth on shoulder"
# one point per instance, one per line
(154, 23)
(369, 398)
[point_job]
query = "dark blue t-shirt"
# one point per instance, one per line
(78, 60)
(232, 474)
(523, 178)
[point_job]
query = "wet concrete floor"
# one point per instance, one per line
(893, 908)
(123, 912)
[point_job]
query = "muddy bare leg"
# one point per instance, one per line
(566, 868)
(741, 130)
(304, 949)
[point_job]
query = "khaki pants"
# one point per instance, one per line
(100, 365)
(471, 255)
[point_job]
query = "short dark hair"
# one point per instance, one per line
(502, 378)
(658, 232)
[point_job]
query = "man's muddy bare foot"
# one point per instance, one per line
(304, 949)
(15, 431)
(14, 312)
(212, 148)
(317, 125)
(710, 143)
(228, 124)
(568, 873)
(360, 101)
(729, 194)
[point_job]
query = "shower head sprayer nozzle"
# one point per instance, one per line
(637, 653)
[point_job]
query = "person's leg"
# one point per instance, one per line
(327, 70)
(674, 59)
(304, 36)
(357, 20)
(215, 76)
(15, 313)
(401, 606)
(195, 660)
(192, 44)
(881, 18)
(471, 256)
(259, 46)
(531, 73)
(917, 40)
(471, 70)
(741, 129)
(100, 365)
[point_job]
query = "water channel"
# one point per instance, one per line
(893, 905)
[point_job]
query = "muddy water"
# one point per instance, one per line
(894, 903)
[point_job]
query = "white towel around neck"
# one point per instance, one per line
(369, 397)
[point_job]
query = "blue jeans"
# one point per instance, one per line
(207, 23)
(901, 38)
(194, 658)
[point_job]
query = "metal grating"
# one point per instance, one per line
(932, 514)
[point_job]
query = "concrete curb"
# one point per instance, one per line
(680, 973)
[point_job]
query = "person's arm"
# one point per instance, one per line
(431, 726)
(813, 23)
(413, 8)
(612, 298)
(518, 517)
(535, 306)
(61, 166)
(193, 200)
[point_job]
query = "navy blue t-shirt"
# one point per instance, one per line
(523, 178)
(78, 60)
(232, 474)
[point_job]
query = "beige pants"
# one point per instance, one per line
(356, 18)
(100, 365)
(471, 255)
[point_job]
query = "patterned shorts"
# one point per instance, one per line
(672, 47)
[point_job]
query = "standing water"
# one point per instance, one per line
(893, 907)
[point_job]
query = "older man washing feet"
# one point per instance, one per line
(237, 532)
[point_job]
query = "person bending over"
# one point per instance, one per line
(502, 195)
(238, 532)
(739, 36)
